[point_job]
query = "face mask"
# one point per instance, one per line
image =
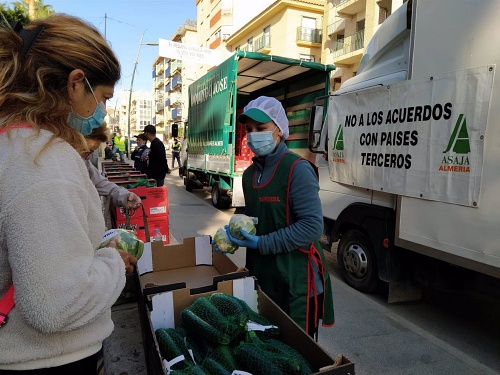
(261, 143)
(85, 125)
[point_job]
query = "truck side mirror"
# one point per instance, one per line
(315, 128)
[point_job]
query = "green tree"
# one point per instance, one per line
(24, 11)
(35, 9)
(13, 14)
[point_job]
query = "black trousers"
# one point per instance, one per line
(86, 366)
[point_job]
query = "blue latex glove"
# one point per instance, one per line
(251, 240)
(216, 249)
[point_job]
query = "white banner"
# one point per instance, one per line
(191, 53)
(420, 138)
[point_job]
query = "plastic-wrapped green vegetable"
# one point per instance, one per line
(126, 240)
(223, 243)
(242, 222)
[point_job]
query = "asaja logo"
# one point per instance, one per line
(457, 158)
(338, 146)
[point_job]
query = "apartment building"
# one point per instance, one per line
(171, 78)
(217, 20)
(289, 28)
(141, 111)
(349, 25)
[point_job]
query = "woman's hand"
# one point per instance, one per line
(129, 260)
(133, 201)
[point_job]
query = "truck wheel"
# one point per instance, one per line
(216, 193)
(357, 263)
(189, 184)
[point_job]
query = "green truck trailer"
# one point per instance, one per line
(217, 153)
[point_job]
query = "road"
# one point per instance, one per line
(444, 333)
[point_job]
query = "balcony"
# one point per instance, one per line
(176, 81)
(159, 107)
(307, 36)
(176, 113)
(160, 68)
(349, 8)
(247, 48)
(336, 26)
(176, 99)
(159, 81)
(176, 66)
(344, 49)
(263, 44)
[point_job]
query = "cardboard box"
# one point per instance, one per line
(192, 265)
(165, 308)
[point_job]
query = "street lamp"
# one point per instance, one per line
(131, 88)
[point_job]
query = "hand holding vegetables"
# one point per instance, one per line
(232, 236)
(222, 242)
(249, 241)
(125, 240)
(129, 260)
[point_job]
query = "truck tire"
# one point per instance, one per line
(189, 184)
(216, 195)
(357, 262)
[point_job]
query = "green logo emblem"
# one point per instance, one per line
(459, 139)
(338, 143)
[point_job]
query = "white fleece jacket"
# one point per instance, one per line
(51, 222)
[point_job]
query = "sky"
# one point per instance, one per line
(123, 22)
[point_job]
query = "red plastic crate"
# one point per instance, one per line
(154, 199)
(137, 226)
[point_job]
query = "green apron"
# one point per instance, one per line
(288, 279)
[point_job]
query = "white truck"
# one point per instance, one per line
(410, 152)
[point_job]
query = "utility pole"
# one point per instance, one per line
(130, 92)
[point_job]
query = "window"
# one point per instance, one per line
(217, 35)
(250, 44)
(267, 35)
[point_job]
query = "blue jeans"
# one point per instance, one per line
(122, 155)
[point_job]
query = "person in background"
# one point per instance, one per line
(176, 153)
(281, 189)
(157, 159)
(56, 75)
(120, 145)
(139, 155)
(120, 197)
(108, 150)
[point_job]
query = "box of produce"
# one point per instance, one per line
(235, 327)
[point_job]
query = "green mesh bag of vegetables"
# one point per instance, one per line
(125, 240)
(172, 345)
(242, 222)
(203, 320)
(263, 357)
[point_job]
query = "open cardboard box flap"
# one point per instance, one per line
(192, 264)
(166, 308)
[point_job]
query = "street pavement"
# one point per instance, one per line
(373, 336)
